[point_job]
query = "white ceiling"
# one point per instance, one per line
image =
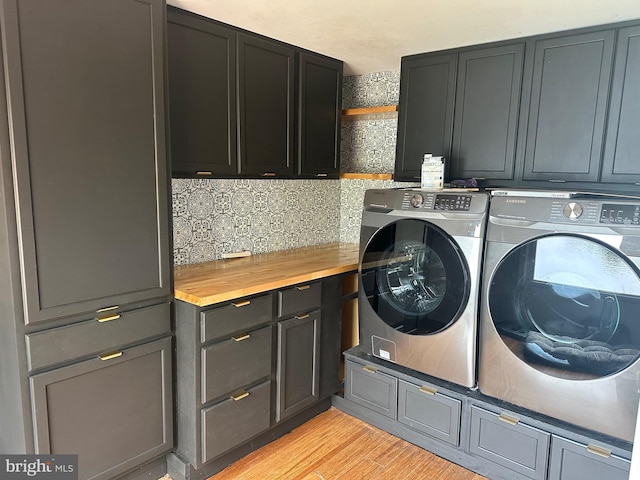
(372, 35)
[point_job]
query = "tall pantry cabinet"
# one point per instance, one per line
(85, 330)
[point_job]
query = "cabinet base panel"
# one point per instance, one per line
(178, 469)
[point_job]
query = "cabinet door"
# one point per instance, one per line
(319, 112)
(573, 461)
(568, 107)
(486, 113)
(507, 442)
(202, 94)
(113, 413)
(427, 89)
(298, 369)
(266, 76)
(623, 142)
(367, 386)
(87, 138)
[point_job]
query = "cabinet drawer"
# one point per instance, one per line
(299, 298)
(507, 442)
(575, 461)
(235, 362)
(368, 387)
(235, 420)
(114, 414)
(426, 410)
(238, 316)
(94, 336)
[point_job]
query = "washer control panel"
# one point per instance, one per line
(440, 201)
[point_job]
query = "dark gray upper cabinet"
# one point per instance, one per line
(202, 93)
(266, 76)
(487, 112)
(319, 107)
(567, 114)
(425, 122)
(86, 105)
(620, 163)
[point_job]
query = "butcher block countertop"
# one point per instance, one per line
(207, 283)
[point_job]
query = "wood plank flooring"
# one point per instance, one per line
(337, 446)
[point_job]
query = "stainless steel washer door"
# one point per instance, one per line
(415, 277)
(568, 305)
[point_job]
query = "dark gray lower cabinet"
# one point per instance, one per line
(113, 411)
(251, 368)
(575, 461)
(235, 420)
(427, 410)
(502, 439)
(365, 385)
(473, 431)
(298, 370)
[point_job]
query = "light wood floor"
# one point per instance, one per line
(337, 446)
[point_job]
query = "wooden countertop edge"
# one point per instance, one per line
(262, 287)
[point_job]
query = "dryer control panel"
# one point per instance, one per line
(625, 214)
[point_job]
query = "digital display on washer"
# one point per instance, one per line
(452, 202)
(620, 213)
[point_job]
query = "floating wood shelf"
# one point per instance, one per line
(367, 176)
(385, 111)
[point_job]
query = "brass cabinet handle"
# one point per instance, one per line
(428, 390)
(241, 304)
(596, 450)
(109, 356)
(204, 173)
(370, 369)
(108, 318)
(304, 287)
(268, 174)
(242, 337)
(106, 309)
(239, 396)
(300, 317)
(509, 419)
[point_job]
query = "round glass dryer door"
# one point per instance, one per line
(415, 277)
(568, 306)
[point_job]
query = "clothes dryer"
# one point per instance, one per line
(560, 307)
(419, 275)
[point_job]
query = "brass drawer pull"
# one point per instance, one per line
(203, 173)
(428, 390)
(370, 369)
(304, 287)
(241, 304)
(242, 337)
(106, 309)
(596, 450)
(239, 396)
(509, 419)
(108, 319)
(109, 356)
(300, 317)
(268, 174)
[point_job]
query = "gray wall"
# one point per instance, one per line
(215, 216)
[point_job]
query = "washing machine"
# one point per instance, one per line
(560, 307)
(419, 274)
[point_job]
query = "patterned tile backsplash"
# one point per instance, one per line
(212, 216)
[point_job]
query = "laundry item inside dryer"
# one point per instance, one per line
(560, 300)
